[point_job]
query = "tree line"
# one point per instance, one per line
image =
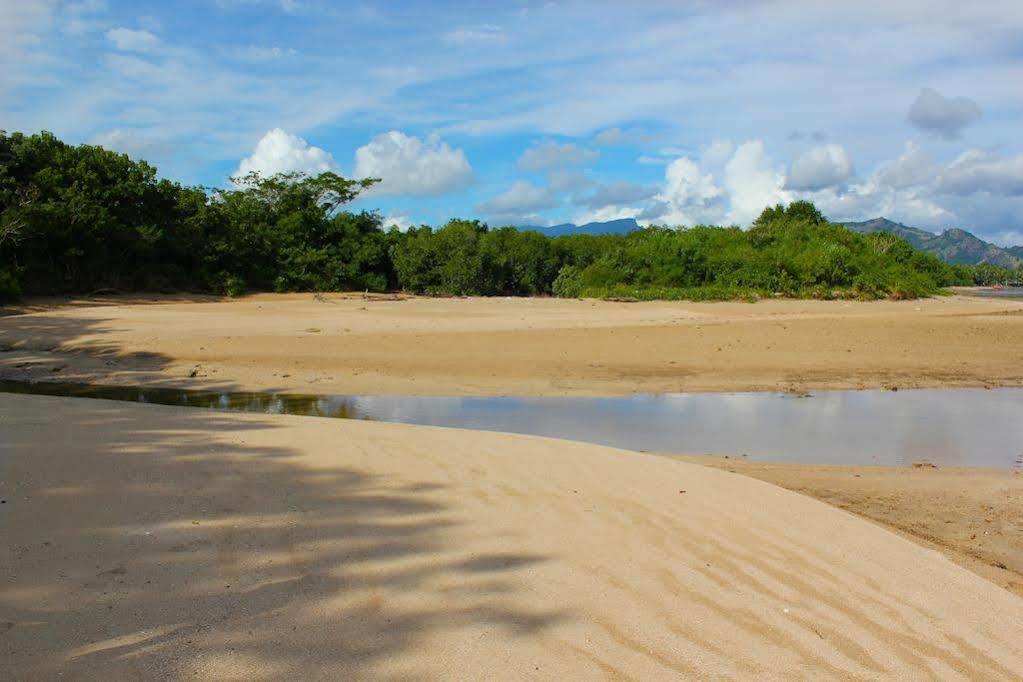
(80, 219)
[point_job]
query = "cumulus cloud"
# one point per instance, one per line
(520, 199)
(717, 153)
(281, 152)
(934, 113)
(618, 193)
(408, 165)
(752, 183)
(689, 196)
(552, 155)
(902, 188)
(911, 168)
(979, 171)
(130, 40)
(402, 222)
(820, 167)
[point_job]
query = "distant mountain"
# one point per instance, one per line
(953, 246)
(620, 226)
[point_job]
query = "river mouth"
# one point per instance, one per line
(944, 427)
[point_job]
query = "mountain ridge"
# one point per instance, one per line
(619, 226)
(955, 245)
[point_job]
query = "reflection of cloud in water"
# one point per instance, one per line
(943, 426)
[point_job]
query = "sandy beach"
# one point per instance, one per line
(421, 346)
(165, 542)
(973, 515)
(160, 542)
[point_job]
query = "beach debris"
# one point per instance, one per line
(312, 330)
(924, 465)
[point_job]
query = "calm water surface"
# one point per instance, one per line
(1007, 292)
(967, 427)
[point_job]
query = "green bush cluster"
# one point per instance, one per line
(790, 251)
(82, 218)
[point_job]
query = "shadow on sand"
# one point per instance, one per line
(168, 546)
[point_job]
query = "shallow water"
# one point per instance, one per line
(964, 427)
(1008, 292)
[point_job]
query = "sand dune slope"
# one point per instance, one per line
(164, 543)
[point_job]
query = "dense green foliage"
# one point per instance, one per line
(81, 219)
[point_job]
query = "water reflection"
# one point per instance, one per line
(1007, 292)
(969, 427)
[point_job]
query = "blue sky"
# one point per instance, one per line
(542, 112)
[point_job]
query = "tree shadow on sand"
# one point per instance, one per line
(53, 348)
(160, 547)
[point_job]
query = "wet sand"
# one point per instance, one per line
(974, 516)
(416, 346)
(159, 542)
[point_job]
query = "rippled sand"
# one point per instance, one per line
(165, 543)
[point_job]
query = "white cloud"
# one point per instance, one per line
(978, 171)
(605, 214)
(824, 166)
(137, 145)
(752, 183)
(130, 40)
(481, 33)
(945, 116)
(521, 198)
(256, 54)
(553, 155)
(901, 189)
(410, 166)
(281, 152)
(689, 196)
(912, 168)
(23, 27)
(717, 153)
(402, 222)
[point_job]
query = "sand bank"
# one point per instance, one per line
(974, 516)
(159, 542)
(418, 346)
